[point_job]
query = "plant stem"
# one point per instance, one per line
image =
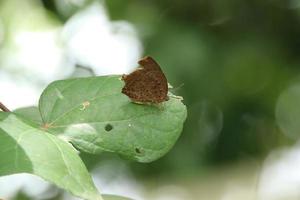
(4, 108)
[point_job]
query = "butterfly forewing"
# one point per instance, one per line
(146, 84)
(148, 63)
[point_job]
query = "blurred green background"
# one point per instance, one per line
(230, 59)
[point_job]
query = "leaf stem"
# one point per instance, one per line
(4, 108)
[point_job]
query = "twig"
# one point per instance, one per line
(4, 108)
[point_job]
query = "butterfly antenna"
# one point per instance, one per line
(90, 70)
(174, 89)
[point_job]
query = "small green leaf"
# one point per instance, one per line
(95, 116)
(25, 149)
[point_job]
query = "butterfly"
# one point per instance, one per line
(147, 84)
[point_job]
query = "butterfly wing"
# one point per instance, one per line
(149, 87)
(158, 89)
(132, 87)
(148, 63)
(147, 83)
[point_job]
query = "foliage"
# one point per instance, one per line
(94, 116)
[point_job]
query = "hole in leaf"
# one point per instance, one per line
(108, 127)
(138, 150)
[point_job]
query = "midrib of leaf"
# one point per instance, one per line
(122, 120)
(17, 147)
(96, 122)
(63, 158)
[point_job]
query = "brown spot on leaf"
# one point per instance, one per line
(46, 126)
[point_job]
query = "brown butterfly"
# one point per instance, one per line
(147, 84)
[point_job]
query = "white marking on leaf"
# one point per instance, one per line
(85, 105)
(59, 94)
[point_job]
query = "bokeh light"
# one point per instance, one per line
(288, 112)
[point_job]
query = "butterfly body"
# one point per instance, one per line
(147, 84)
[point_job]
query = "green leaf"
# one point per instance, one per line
(114, 197)
(32, 113)
(25, 149)
(95, 116)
